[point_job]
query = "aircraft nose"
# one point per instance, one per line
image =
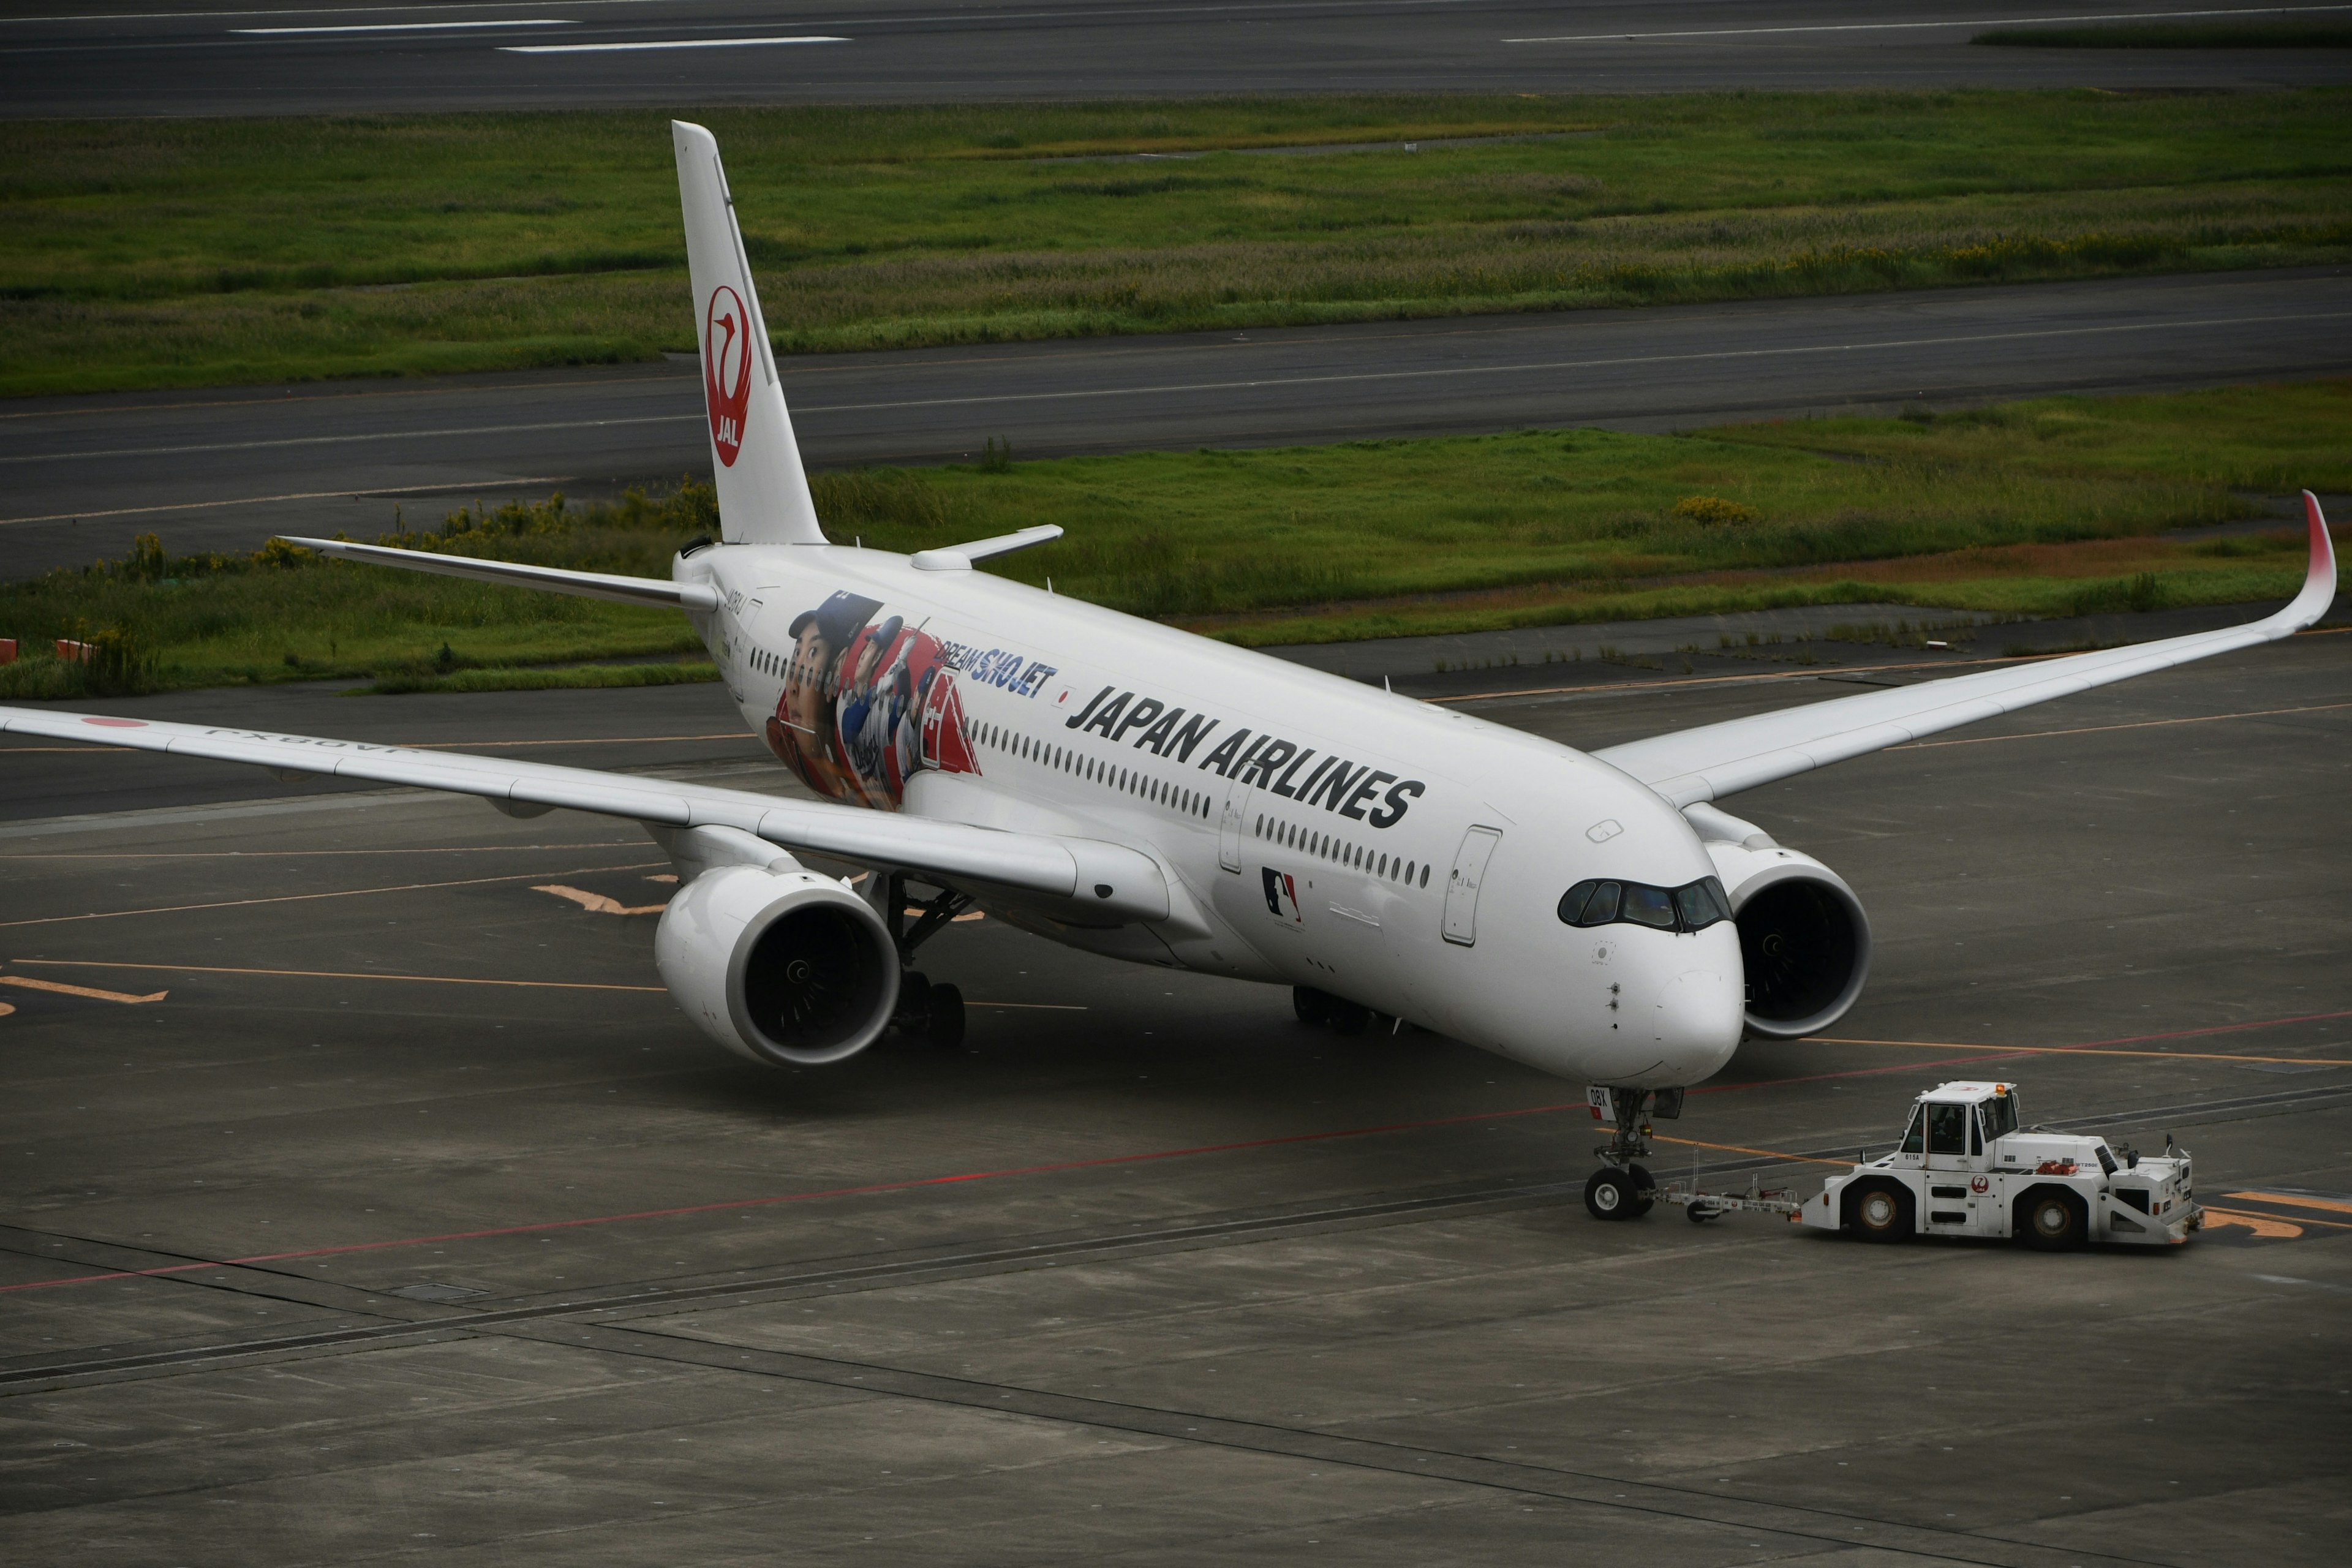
(1698, 1019)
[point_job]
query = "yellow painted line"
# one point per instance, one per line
(301, 898)
(433, 745)
(2086, 1051)
(2296, 1199)
(1034, 1006)
(597, 903)
(2276, 1229)
(332, 974)
(1741, 1149)
(6, 1008)
(2142, 724)
(61, 988)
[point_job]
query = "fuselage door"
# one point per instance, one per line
(1462, 886)
(1229, 826)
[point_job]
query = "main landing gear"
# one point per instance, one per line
(1338, 1014)
(925, 1011)
(1622, 1188)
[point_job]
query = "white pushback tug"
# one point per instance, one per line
(1964, 1167)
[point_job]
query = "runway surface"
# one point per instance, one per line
(223, 470)
(371, 1197)
(103, 58)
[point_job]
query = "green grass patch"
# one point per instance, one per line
(2062, 505)
(2279, 34)
(194, 252)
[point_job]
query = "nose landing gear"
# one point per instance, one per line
(1622, 1188)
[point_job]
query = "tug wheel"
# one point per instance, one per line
(1881, 1211)
(1609, 1195)
(2054, 1220)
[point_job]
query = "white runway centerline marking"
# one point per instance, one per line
(661, 44)
(1914, 26)
(408, 26)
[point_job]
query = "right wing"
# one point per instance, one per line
(587, 584)
(1083, 881)
(1715, 759)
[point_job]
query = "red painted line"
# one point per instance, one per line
(916, 1182)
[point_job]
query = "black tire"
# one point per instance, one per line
(1609, 1195)
(1880, 1211)
(1312, 1006)
(1346, 1018)
(2051, 1219)
(913, 1012)
(946, 1025)
(1641, 1181)
(1698, 1213)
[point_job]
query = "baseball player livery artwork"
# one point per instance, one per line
(866, 705)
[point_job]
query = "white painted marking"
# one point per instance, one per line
(294, 494)
(661, 44)
(408, 26)
(1910, 26)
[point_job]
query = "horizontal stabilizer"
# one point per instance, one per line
(516, 574)
(959, 557)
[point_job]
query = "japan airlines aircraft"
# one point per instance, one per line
(1137, 791)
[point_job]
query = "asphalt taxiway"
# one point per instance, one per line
(98, 57)
(224, 468)
(369, 1199)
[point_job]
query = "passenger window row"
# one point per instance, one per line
(1327, 846)
(1125, 780)
(1692, 907)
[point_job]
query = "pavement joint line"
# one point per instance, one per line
(1558, 1484)
(304, 897)
(314, 854)
(2138, 724)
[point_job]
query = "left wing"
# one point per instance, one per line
(1090, 880)
(1717, 760)
(521, 575)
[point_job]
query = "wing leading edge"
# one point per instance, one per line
(1100, 879)
(1713, 761)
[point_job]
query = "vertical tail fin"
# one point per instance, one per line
(764, 493)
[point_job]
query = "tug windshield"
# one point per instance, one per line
(2000, 1116)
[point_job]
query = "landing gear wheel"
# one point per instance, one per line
(1881, 1212)
(2054, 1221)
(1641, 1183)
(1609, 1195)
(946, 1026)
(1346, 1017)
(1312, 1006)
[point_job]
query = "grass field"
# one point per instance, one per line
(2056, 506)
(194, 252)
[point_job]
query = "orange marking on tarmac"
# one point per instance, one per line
(300, 898)
(2142, 724)
(597, 903)
(2297, 1200)
(1740, 1149)
(62, 989)
(2270, 1229)
(342, 974)
(6, 1008)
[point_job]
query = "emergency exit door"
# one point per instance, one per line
(1229, 826)
(1463, 883)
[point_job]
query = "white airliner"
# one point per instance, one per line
(1138, 792)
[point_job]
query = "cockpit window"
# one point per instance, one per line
(1694, 907)
(1649, 906)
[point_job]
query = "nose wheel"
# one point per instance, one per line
(1623, 1188)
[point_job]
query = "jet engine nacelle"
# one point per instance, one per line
(781, 966)
(1805, 940)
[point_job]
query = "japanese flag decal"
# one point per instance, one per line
(726, 369)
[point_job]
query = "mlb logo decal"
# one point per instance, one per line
(726, 369)
(1281, 896)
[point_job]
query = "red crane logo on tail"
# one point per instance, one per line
(726, 369)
